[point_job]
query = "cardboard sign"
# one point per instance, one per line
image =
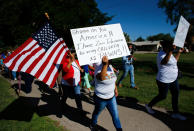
(92, 43)
(181, 32)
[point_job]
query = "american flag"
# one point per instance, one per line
(41, 56)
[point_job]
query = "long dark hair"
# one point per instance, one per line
(166, 44)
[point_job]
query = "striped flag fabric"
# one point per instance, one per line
(41, 55)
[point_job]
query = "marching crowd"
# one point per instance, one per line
(104, 77)
(11, 74)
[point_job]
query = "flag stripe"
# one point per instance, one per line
(9, 60)
(22, 56)
(33, 65)
(55, 72)
(47, 60)
(17, 60)
(51, 59)
(37, 53)
(18, 50)
(54, 65)
(36, 49)
(40, 63)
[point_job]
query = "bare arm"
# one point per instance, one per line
(71, 59)
(115, 70)
(166, 58)
(91, 68)
(102, 75)
(134, 58)
(178, 54)
(168, 55)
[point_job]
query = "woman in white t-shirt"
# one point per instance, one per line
(105, 93)
(167, 78)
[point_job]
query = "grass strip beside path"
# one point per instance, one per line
(145, 78)
(18, 115)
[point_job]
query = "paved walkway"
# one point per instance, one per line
(132, 114)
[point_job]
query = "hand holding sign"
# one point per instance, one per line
(105, 60)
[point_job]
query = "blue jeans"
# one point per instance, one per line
(77, 90)
(163, 91)
(111, 105)
(128, 68)
(14, 74)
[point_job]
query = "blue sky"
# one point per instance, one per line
(137, 17)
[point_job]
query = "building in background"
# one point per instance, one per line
(146, 45)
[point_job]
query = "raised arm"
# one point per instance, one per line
(102, 75)
(91, 67)
(166, 58)
(71, 59)
(178, 54)
(168, 55)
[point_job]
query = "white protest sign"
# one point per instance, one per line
(92, 43)
(181, 32)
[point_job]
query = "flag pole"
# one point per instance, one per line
(19, 77)
(47, 16)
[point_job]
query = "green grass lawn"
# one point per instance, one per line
(23, 119)
(145, 79)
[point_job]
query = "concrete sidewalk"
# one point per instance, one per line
(133, 115)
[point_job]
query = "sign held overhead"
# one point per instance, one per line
(92, 43)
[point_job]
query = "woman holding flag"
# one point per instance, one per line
(71, 79)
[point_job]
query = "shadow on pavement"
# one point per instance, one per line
(16, 88)
(53, 106)
(78, 116)
(173, 124)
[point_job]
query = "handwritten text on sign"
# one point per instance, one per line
(181, 32)
(92, 43)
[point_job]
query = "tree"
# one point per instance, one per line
(160, 36)
(175, 8)
(20, 18)
(140, 39)
(127, 37)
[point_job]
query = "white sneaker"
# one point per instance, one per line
(178, 116)
(149, 109)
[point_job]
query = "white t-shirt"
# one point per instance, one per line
(166, 73)
(105, 89)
